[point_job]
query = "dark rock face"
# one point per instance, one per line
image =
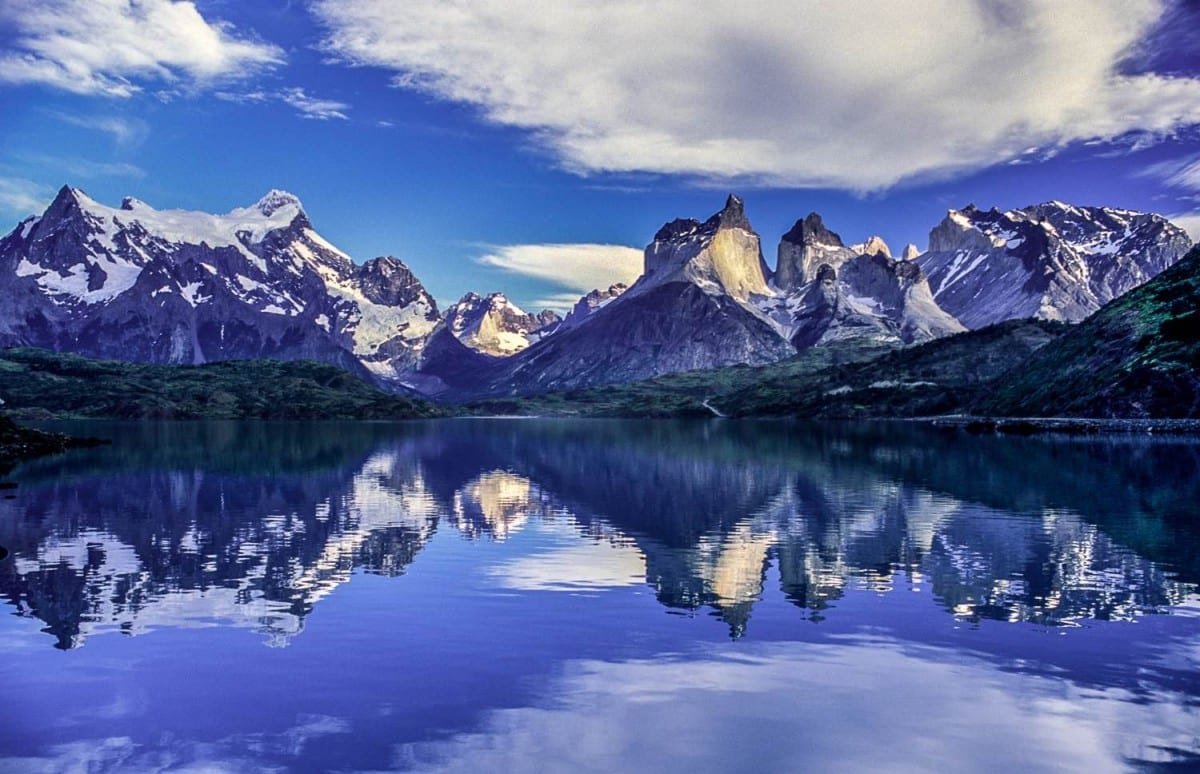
(145, 285)
(807, 246)
(1052, 261)
(593, 301)
(387, 281)
(668, 328)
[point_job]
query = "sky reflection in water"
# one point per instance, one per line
(481, 594)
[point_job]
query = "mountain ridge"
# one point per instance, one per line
(177, 286)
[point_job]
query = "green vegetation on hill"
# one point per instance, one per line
(1139, 356)
(39, 384)
(846, 381)
(675, 395)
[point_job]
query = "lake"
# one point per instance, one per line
(559, 595)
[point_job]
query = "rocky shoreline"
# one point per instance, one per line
(19, 443)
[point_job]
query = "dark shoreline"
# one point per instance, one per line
(28, 443)
(18, 443)
(1064, 425)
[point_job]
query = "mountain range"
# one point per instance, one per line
(180, 287)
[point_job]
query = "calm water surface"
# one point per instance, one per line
(483, 595)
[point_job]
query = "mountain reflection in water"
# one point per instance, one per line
(858, 529)
(252, 525)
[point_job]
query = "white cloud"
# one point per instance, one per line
(106, 46)
(1189, 222)
(20, 197)
(854, 94)
(577, 268)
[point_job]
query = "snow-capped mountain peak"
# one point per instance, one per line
(276, 200)
(1052, 260)
(495, 325)
(140, 283)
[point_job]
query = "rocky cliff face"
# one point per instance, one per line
(722, 255)
(827, 292)
(1052, 261)
(173, 286)
(806, 247)
(496, 326)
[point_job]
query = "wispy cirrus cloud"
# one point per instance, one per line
(296, 97)
(856, 94)
(314, 107)
(123, 131)
(110, 47)
(73, 167)
(573, 269)
(1182, 173)
(20, 197)
(1189, 222)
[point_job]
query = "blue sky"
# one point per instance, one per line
(475, 140)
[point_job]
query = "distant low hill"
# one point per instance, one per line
(851, 380)
(40, 384)
(1139, 356)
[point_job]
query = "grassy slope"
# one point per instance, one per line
(849, 381)
(1139, 356)
(938, 377)
(675, 395)
(36, 384)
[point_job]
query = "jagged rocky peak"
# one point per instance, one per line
(496, 326)
(548, 317)
(910, 253)
(804, 248)
(67, 201)
(958, 230)
(387, 280)
(811, 229)
(591, 302)
(874, 246)
(722, 255)
(733, 215)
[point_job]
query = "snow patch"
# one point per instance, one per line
(119, 277)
